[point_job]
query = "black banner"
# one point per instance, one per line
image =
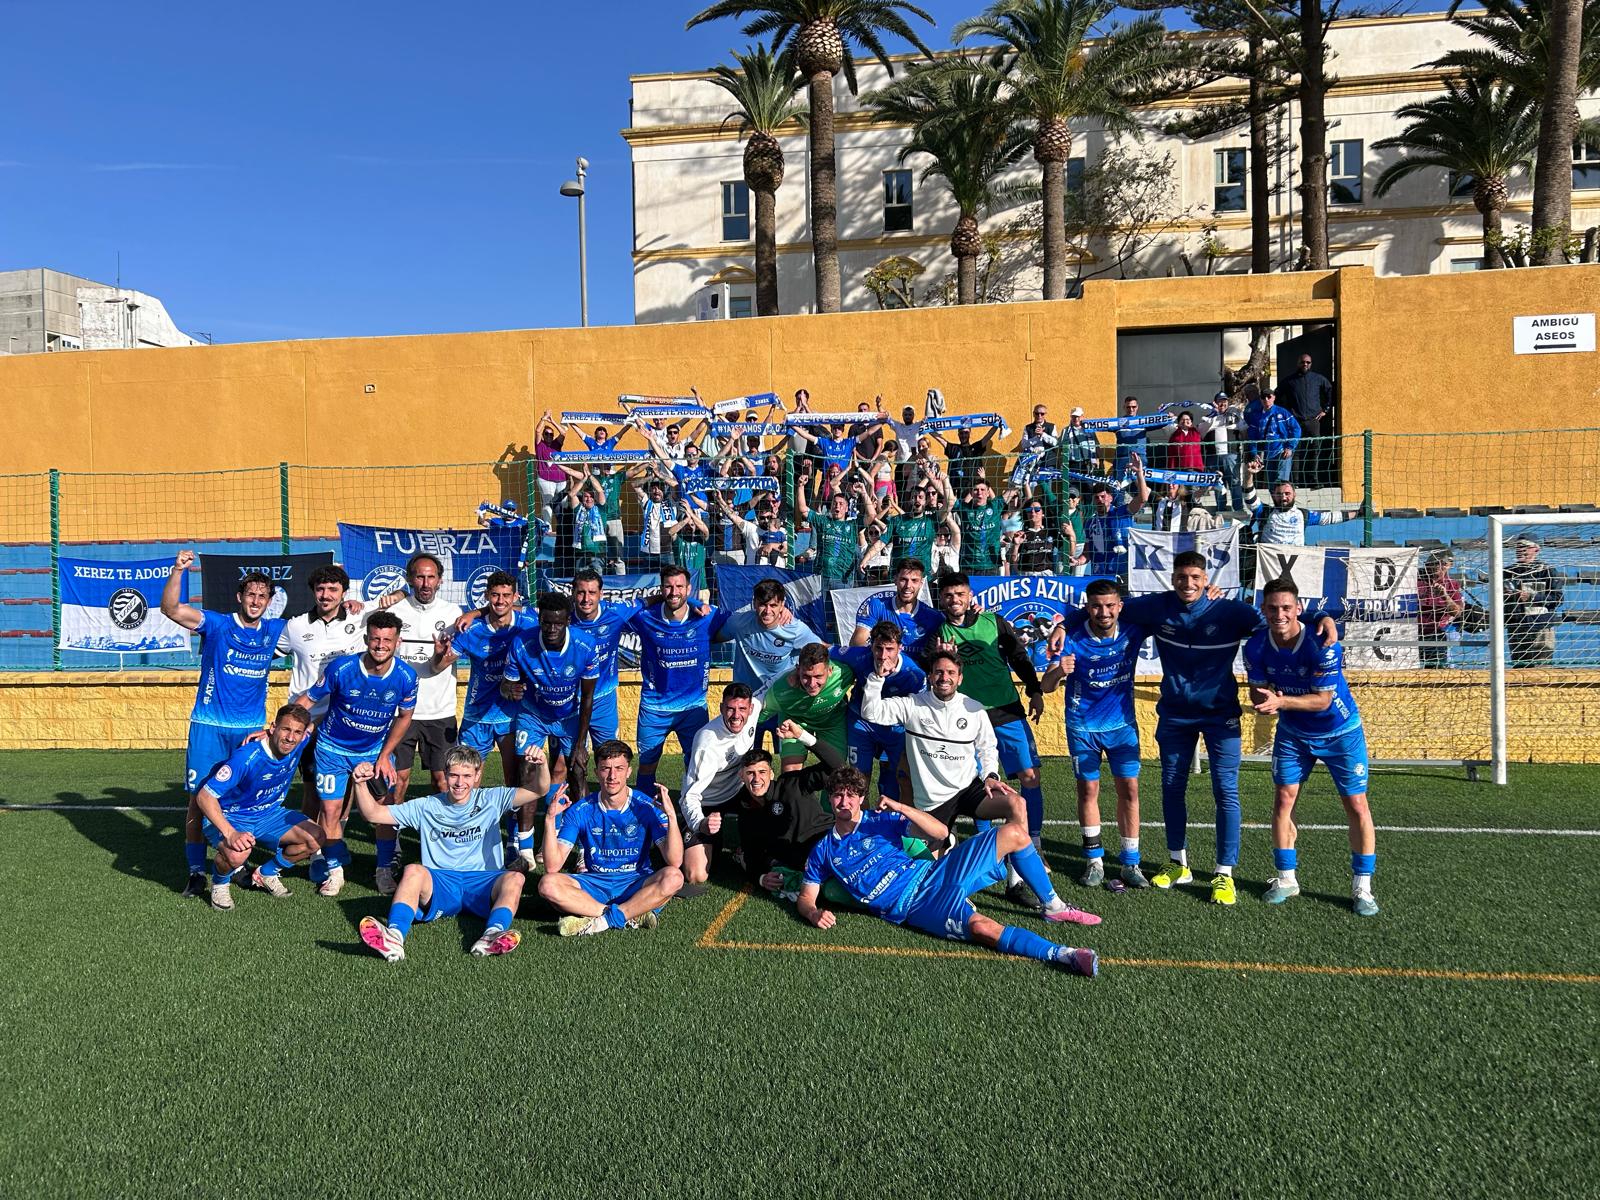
(220, 575)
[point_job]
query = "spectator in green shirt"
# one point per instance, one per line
(979, 514)
(837, 538)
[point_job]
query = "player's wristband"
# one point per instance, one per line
(807, 739)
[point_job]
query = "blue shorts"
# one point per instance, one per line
(484, 735)
(870, 743)
(603, 718)
(209, 746)
(457, 891)
(654, 725)
(611, 889)
(1017, 751)
(1119, 746)
(334, 767)
(1294, 755)
(940, 906)
(535, 730)
(267, 824)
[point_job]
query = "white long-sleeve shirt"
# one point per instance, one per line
(712, 776)
(949, 743)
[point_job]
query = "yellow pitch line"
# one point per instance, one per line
(708, 939)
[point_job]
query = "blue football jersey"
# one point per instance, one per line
(253, 778)
(907, 681)
(613, 841)
(1100, 688)
(871, 864)
(486, 647)
(675, 656)
(458, 837)
(1305, 668)
(362, 706)
(551, 678)
(837, 452)
(915, 627)
(1197, 644)
(606, 631)
(234, 661)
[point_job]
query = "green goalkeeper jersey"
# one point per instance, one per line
(823, 715)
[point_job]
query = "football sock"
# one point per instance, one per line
(1222, 870)
(1285, 861)
(614, 917)
(1179, 856)
(337, 853)
(276, 864)
(1361, 868)
(982, 826)
(1026, 944)
(1033, 797)
(1128, 855)
(1091, 842)
(194, 854)
(386, 849)
(218, 875)
(500, 918)
(1032, 869)
(524, 841)
(400, 918)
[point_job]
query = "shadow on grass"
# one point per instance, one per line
(144, 845)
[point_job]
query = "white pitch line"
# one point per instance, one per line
(1469, 830)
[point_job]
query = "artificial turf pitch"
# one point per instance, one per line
(153, 1047)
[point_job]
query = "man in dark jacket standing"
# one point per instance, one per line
(1309, 396)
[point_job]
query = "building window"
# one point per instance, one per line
(1344, 172)
(1465, 264)
(897, 216)
(735, 212)
(741, 306)
(1074, 174)
(1586, 162)
(1462, 185)
(1228, 194)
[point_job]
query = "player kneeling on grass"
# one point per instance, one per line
(242, 806)
(463, 858)
(1302, 681)
(615, 830)
(863, 852)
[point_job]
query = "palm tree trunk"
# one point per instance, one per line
(1260, 162)
(1313, 138)
(966, 279)
(1552, 179)
(1491, 238)
(1055, 231)
(824, 194)
(766, 253)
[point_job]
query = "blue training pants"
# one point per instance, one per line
(1177, 739)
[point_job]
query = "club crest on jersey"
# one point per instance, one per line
(381, 580)
(224, 773)
(777, 808)
(127, 608)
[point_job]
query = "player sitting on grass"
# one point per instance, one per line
(615, 831)
(463, 858)
(1293, 675)
(863, 852)
(242, 803)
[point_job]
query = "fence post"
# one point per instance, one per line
(1366, 487)
(788, 505)
(55, 569)
(533, 542)
(283, 507)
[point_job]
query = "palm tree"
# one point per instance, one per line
(763, 86)
(1550, 53)
(1051, 77)
(821, 34)
(1476, 128)
(959, 120)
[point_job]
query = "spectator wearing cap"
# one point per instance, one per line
(1130, 442)
(1309, 397)
(1080, 449)
(1274, 434)
(966, 457)
(1177, 512)
(1533, 593)
(1440, 604)
(1224, 430)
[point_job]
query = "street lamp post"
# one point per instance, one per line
(575, 187)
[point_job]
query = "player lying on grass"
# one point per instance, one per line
(242, 805)
(615, 830)
(463, 857)
(1302, 681)
(864, 853)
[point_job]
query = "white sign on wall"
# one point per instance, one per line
(1553, 333)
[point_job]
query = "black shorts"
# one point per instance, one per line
(432, 739)
(964, 803)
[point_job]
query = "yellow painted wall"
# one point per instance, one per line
(150, 710)
(1417, 354)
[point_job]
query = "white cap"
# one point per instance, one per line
(1077, 412)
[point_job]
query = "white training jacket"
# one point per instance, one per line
(949, 743)
(711, 777)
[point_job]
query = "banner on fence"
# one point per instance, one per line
(376, 557)
(619, 589)
(115, 607)
(846, 607)
(1150, 556)
(737, 584)
(1376, 590)
(291, 592)
(1032, 603)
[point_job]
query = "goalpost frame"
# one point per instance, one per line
(1499, 524)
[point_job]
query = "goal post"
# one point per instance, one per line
(1525, 639)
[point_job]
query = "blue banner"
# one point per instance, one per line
(736, 586)
(623, 589)
(115, 607)
(375, 556)
(1032, 603)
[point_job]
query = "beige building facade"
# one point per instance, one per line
(693, 219)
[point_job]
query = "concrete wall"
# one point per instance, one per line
(1417, 355)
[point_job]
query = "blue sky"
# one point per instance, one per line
(336, 169)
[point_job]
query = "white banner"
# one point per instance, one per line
(1150, 556)
(847, 604)
(115, 607)
(1377, 590)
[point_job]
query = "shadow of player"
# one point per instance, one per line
(144, 844)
